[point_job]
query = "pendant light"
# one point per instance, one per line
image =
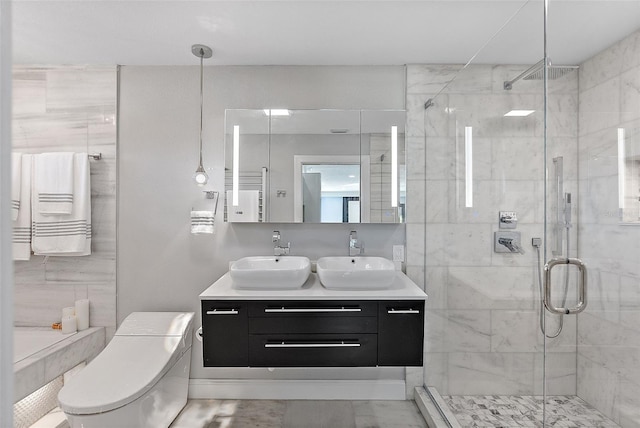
(202, 52)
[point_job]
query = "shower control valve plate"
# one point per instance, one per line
(507, 219)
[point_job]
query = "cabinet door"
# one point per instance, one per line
(400, 332)
(225, 330)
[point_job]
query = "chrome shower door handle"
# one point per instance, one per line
(582, 286)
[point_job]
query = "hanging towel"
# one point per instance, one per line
(53, 182)
(202, 221)
(22, 225)
(248, 209)
(66, 235)
(16, 179)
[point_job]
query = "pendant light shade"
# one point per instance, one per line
(202, 52)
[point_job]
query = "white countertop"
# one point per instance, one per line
(402, 289)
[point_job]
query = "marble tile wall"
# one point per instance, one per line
(609, 331)
(70, 109)
(482, 325)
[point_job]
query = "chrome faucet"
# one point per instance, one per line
(277, 249)
(356, 247)
(511, 245)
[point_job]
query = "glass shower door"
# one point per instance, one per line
(593, 214)
(478, 156)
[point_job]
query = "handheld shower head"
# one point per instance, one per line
(567, 209)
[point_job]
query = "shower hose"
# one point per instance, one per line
(564, 297)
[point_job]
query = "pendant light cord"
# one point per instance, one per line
(201, 73)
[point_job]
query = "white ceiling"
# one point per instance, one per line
(321, 32)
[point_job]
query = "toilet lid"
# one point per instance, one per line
(127, 368)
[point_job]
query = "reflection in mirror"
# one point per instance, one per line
(310, 138)
(315, 166)
(246, 165)
(337, 186)
(383, 143)
(629, 175)
(330, 189)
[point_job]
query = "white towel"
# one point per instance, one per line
(248, 209)
(16, 179)
(53, 182)
(22, 225)
(202, 222)
(66, 235)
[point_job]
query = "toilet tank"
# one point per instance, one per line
(158, 324)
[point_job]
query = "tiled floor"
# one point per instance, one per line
(299, 414)
(525, 411)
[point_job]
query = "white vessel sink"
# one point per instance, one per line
(270, 272)
(356, 273)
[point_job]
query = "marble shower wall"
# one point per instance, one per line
(609, 330)
(482, 331)
(70, 109)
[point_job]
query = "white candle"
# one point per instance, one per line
(82, 314)
(67, 312)
(69, 324)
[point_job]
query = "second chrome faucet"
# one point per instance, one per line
(356, 246)
(279, 250)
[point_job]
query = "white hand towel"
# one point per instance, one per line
(22, 225)
(16, 179)
(202, 222)
(53, 182)
(66, 235)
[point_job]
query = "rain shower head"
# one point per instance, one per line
(536, 72)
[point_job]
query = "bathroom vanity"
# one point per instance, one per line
(312, 326)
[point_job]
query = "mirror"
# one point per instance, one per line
(315, 166)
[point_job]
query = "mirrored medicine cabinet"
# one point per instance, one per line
(315, 166)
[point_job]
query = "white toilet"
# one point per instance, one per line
(139, 380)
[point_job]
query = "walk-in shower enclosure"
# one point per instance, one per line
(560, 147)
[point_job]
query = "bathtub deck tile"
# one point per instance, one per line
(36, 370)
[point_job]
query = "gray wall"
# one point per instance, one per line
(161, 266)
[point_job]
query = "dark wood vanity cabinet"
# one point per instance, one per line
(317, 333)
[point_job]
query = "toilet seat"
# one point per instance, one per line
(127, 368)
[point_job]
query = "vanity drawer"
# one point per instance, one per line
(317, 350)
(313, 308)
(313, 325)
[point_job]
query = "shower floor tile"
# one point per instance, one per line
(525, 411)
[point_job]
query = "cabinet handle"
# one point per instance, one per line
(310, 310)
(312, 345)
(223, 312)
(403, 311)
